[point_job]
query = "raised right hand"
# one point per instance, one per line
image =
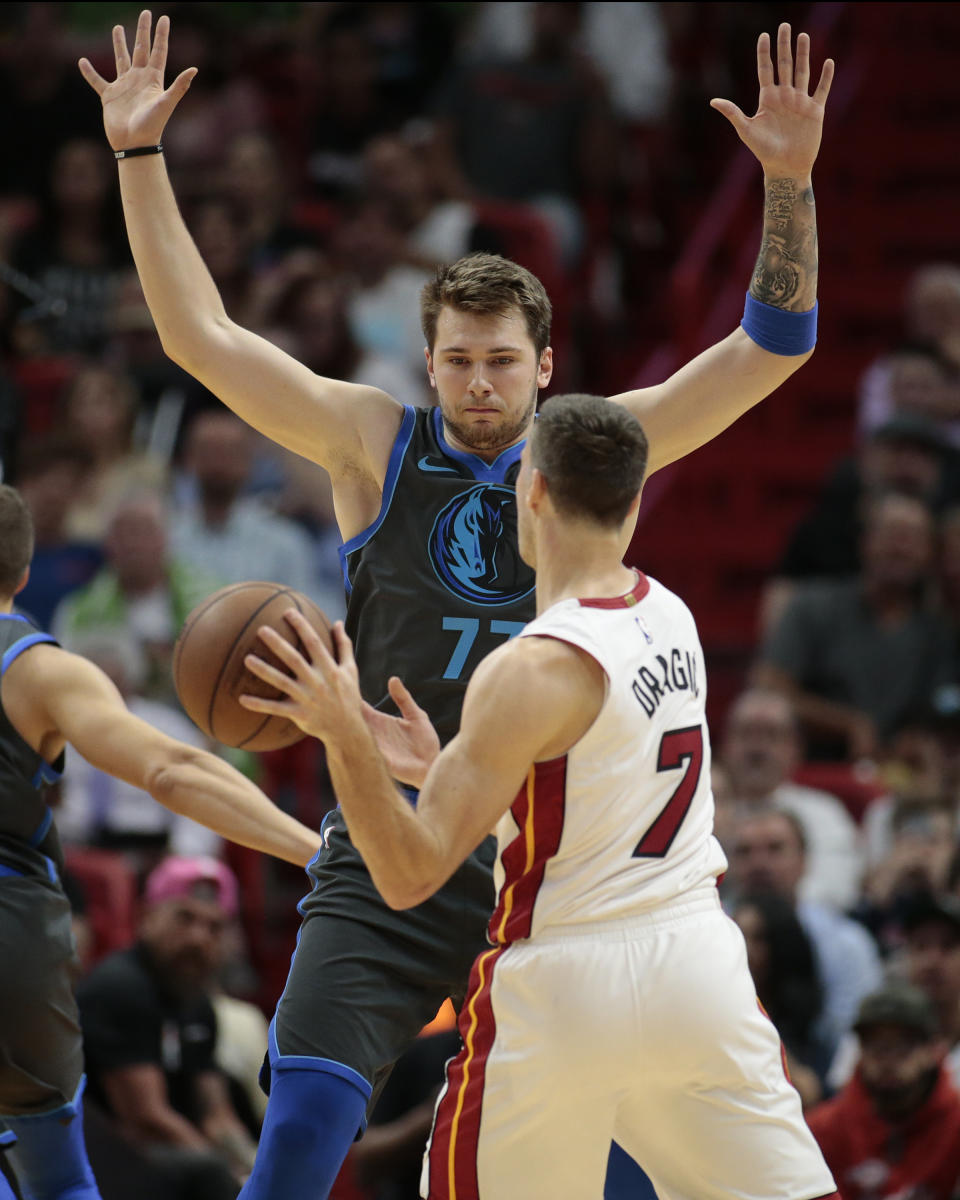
(135, 106)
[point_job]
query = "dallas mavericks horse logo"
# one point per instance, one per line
(473, 547)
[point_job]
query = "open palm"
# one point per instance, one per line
(136, 107)
(785, 131)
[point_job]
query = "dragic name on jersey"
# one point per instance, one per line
(623, 822)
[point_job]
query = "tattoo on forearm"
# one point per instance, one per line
(785, 274)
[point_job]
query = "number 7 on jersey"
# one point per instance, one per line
(678, 748)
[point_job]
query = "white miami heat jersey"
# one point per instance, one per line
(623, 822)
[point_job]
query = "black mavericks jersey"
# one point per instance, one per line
(436, 582)
(28, 839)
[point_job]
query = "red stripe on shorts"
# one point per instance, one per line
(456, 1124)
(538, 811)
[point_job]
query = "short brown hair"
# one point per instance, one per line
(592, 454)
(16, 539)
(489, 285)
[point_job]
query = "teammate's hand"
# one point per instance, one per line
(408, 743)
(135, 106)
(785, 132)
(322, 693)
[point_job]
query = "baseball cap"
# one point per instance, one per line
(177, 876)
(897, 1004)
(927, 907)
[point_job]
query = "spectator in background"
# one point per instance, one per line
(931, 929)
(917, 861)
(74, 252)
(50, 472)
(536, 128)
(99, 412)
(907, 454)
(220, 530)
(218, 230)
(784, 969)
(857, 656)
(351, 105)
(149, 1033)
(40, 96)
(383, 301)
(932, 321)
(224, 103)
(254, 181)
(100, 810)
(767, 854)
(894, 1130)
(439, 227)
(305, 309)
(142, 593)
(761, 751)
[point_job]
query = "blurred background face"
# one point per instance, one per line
(395, 177)
(82, 175)
(933, 962)
(218, 453)
(99, 409)
(217, 234)
(185, 937)
(895, 1064)
(918, 384)
(933, 304)
(897, 543)
(136, 544)
(252, 173)
(900, 465)
(319, 321)
(48, 492)
(766, 855)
(761, 748)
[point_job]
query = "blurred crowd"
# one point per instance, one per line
(326, 157)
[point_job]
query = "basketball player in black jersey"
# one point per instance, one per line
(424, 502)
(47, 699)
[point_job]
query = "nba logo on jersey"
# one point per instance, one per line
(642, 626)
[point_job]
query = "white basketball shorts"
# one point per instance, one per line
(645, 1032)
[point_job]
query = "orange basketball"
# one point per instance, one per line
(208, 662)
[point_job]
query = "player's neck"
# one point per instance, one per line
(6, 606)
(570, 567)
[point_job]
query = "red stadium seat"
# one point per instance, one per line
(110, 889)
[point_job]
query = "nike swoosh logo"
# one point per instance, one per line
(424, 465)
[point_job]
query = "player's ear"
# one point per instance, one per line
(23, 581)
(545, 369)
(430, 375)
(537, 490)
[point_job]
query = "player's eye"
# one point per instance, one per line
(503, 362)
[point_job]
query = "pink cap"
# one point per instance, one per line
(176, 877)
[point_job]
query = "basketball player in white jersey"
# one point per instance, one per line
(615, 1000)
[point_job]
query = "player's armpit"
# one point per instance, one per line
(706, 395)
(528, 702)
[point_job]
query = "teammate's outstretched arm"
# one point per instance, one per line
(57, 696)
(412, 852)
(716, 387)
(346, 428)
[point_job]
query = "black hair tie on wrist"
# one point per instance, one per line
(138, 150)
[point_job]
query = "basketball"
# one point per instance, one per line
(208, 662)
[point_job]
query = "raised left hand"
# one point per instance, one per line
(785, 131)
(322, 693)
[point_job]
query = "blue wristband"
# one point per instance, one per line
(777, 330)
